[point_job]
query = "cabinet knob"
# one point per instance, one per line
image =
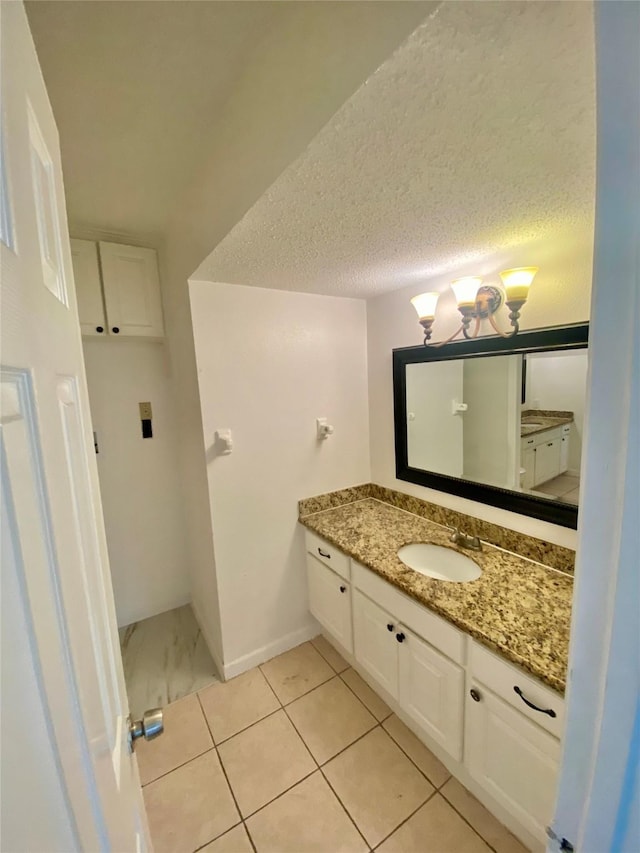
(474, 694)
(115, 330)
(343, 589)
(389, 627)
(400, 637)
(100, 329)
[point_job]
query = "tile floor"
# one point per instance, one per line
(164, 657)
(566, 488)
(301, 755)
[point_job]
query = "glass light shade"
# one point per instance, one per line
(425, 304)
(517, 283)
(466, 290)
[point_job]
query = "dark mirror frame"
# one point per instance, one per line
(539, 340)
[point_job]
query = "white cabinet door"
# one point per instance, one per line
(86, 272)
(330, 601)
(528, 462)
(431, 690)
(376, 647)
(131, 290)
(548, 460)
(513, 759)
(564, 452)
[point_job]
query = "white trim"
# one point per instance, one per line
(277, 647)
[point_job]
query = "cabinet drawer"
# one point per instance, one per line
(443, 636)
(328, 554)
(503, 678)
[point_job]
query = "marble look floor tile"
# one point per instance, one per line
(377, 784)
(165, 658)
(234, 841)
(331, 655)
(263, 761)
(306, 819)
(438, 827)
(189, 806)
(329, 718)
(295, 672)
(185, 736)
(433, 769)
(489, 827)
(367, 696)
(237, 704)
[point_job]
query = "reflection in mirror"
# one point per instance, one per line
(510, 421)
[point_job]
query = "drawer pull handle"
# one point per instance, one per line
(343, 589)
(400, 637)
(323, 554)
(474, 694)
(548, 711)
(389, 627)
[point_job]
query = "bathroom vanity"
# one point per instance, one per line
(476, 669)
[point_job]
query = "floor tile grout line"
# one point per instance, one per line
(433, 794)
(319, 768)
(222, 767)
(246, 728)
(362, 700)
(325, 657)
(179, 766)
(404, 751)
(281, 794)
(466, 820)
(216, 837)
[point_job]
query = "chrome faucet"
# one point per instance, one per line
(464, 541)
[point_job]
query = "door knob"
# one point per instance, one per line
(151, 725)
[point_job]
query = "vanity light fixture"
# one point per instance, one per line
(477, 301)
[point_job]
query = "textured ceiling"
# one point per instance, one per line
(145, 94)
(477, 135)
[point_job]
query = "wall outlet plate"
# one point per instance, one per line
(145, 411)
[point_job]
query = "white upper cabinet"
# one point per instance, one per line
(118, 289)
(131, 290)
(86, 272)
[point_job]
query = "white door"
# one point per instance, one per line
(73, 784)
(330, 601)
(434, 432)
(375, 644)
(513, 759)
(431, 690)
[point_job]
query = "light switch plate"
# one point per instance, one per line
(145, 411)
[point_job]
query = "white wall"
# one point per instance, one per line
(139, 478)
(559, 295)
(559, 383)
(269, 363)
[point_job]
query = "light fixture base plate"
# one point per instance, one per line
(488, 300)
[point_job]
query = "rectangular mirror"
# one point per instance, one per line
(499, 420)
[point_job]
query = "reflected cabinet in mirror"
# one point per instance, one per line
(496, 420)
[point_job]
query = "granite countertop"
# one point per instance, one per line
(518, 608)
(535, 421)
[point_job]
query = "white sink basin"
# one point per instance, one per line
(436, 561)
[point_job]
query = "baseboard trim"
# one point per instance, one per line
(202, 624)
(277, 647)
(147, 614)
